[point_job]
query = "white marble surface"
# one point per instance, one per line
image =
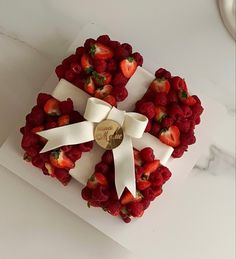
(185, 36)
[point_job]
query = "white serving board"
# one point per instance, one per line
(128, 235)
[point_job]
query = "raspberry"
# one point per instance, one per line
(149, 126)
(107, 157)
(197, 99)
(66, 107)
(94, 203)
(51, 125)
(25, 130)
(147, 109)
(157, 190)
(36, 117)
(126, 219)
(42, 98)
(147, 154)
(60, 71)
(128, 47)
(62, 175)
(104, 39)
(69, 75)
(76, 68)
(74, 154)
(111, 65)
(119, 80)
(135, 209)
(186, 110)
(197, 109)
(184, 126)
(138, 172)
(75, 117)
(100, 65)
(86, 193)
(161, 72)
(120, 93)
(160, 99)
(89, 43)
(79, 52)
(102, 168)
(145, 203)
(167, 122)
(78, 82)
(138, 58)
(165, 173)
(86, 147)
(114, 44)
(179, 151)
(66, 148)
(33, 151)
(178, 83)
(172, 96)
(175, 111)
(197, 120)
(29, 140)
(155, 129)
(67, 61)
(156, 178)
(114, 208)
(113, 194)
(187, 138)
(100, 194)
(121, 53)
(149, 194)
(38, 162)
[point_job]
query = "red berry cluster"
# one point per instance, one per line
(172, 112)
(50, 113)
(102, 68)
(150, 176)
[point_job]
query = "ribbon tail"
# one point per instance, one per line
(72, 134)
(124, 167)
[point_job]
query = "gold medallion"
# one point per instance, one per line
(108, 134)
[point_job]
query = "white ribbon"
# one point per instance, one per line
(133, 125)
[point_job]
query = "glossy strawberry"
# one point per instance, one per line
(137, 158)
(89, 86)
(95, 179)
(160, 113)
(143, 184)
(100, 51)
(187, 99)
(86, 63)
(51, 107)
(63, 120)
(110, 99)
(151, 167)
(60, 160)
(170, 136)
(103, 91)
(127, 197)
(128, 66)
(103, 78)
(160, 85)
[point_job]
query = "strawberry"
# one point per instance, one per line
(51, 107)
(50, 169)
(89, 86)
(160, 85)
(110, 99)
(103, 91)
(151, 167)
(63, 120)
(95, 179)
(170, 136)
(60, 160)
(127, 197)
(128, 66)
(100, 51)
(103, 78)
(186, 98)
(86, 63)
(137, 158)
(160, 113)
(143, 184)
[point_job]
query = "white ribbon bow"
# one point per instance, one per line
(133, 125)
